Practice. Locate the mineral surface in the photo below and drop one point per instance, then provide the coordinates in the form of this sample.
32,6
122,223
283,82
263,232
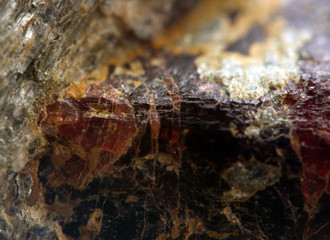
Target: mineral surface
165,120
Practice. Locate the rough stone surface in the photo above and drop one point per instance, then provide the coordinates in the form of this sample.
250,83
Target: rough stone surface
130,120
48,44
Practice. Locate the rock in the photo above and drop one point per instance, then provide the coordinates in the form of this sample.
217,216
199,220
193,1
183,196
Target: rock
214,127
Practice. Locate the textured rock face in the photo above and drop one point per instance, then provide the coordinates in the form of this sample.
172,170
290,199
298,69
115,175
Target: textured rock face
123,127
47,44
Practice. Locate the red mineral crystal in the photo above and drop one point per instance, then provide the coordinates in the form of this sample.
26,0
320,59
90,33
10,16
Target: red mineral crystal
310,135
99,122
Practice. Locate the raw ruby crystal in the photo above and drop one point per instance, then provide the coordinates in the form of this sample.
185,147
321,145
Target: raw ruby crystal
88,128
310,134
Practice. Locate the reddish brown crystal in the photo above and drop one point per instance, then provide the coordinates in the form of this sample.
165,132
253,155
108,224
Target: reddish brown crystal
99,122
310,135
167,144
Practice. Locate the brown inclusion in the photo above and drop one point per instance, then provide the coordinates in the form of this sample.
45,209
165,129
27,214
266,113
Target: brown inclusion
83,131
